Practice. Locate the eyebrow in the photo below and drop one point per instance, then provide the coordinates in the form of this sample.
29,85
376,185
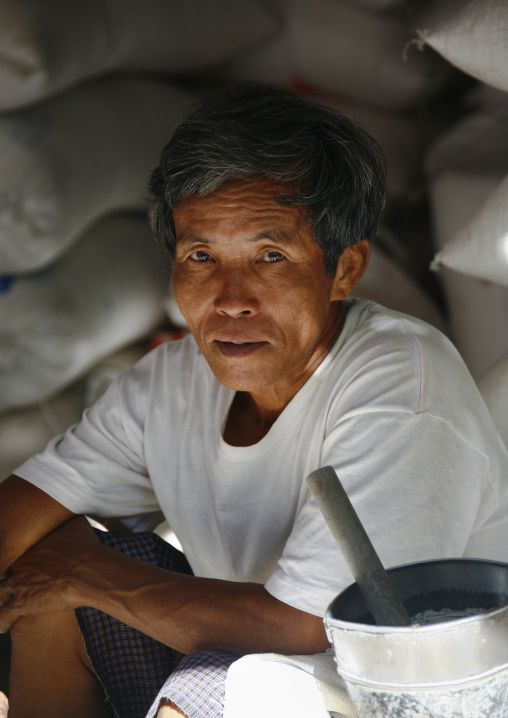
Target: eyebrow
275,235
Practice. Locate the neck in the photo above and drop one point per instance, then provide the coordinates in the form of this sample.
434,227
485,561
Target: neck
252,414
272,401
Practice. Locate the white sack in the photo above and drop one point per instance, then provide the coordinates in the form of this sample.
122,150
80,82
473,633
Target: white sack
24,432
69,161
481,248
477,143
55,325
478,310
475,39
401,137
493,387
345,49
46,45
389,284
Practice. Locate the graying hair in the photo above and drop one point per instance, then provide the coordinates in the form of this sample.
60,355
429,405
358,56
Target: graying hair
333,166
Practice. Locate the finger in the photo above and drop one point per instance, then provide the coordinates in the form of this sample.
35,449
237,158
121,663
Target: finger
6,593
7,618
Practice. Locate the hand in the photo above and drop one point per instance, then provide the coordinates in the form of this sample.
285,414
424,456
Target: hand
4,705
41,581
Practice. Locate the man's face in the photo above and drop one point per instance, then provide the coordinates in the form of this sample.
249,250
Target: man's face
250,280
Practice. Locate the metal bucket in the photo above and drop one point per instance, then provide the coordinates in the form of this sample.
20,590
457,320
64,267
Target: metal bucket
454,669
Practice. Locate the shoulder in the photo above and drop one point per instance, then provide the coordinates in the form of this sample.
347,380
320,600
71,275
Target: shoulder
397,361
371,324
179,352
171,362
158,377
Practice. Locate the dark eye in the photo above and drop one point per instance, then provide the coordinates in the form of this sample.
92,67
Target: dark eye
272,256
200,256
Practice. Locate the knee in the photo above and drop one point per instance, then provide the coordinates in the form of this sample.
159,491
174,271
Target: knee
26,626
58,630
47,623
198,674
167,709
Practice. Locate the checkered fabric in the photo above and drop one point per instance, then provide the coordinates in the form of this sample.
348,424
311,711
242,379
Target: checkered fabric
197,685
131,666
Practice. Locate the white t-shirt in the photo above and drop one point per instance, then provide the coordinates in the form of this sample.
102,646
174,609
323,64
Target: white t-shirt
392,408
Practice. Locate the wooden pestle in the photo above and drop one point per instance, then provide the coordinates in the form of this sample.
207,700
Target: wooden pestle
369,573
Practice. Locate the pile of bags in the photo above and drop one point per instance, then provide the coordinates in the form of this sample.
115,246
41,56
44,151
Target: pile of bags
89,92
468,176
47,46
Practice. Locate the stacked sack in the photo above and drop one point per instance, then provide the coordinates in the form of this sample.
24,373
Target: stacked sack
468,169
354,55
89,93
351,55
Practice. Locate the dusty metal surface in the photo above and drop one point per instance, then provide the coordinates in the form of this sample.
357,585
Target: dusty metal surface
455,669
482,698
451,669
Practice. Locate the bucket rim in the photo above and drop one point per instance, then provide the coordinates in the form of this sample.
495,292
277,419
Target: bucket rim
438,627
357,627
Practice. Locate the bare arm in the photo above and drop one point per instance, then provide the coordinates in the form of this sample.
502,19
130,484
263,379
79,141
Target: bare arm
26,515
71,568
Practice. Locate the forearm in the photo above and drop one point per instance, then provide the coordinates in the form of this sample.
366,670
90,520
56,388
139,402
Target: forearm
70,567
190,613
26,515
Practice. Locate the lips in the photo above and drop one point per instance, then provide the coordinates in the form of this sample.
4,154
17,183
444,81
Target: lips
238,349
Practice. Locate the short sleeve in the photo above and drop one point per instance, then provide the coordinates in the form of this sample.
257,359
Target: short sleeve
98,465
416,486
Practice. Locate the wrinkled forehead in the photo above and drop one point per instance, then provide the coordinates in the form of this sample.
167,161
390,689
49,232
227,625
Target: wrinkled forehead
254,201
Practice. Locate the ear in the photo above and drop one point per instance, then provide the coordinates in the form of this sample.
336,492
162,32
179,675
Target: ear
352,264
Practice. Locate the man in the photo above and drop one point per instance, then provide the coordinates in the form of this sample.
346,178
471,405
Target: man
267,203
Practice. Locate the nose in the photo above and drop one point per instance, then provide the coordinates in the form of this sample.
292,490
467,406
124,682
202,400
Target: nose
235,294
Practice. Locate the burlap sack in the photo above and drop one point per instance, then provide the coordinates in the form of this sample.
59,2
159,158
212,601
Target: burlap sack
346,49
474,38
402,138
389,284
102,295
24,432
47,45
481,248
478,143
478,310
71,160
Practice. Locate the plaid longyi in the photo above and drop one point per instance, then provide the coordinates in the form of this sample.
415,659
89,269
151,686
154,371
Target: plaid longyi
132,667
